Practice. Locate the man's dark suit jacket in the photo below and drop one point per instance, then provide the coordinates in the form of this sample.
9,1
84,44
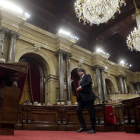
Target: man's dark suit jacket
86,93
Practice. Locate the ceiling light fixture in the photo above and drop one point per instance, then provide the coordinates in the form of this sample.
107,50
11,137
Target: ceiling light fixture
7,5
68,34
101,51
133,40
97,11
122,62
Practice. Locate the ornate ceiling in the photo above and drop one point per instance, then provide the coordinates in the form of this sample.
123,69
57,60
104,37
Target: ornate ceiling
52,15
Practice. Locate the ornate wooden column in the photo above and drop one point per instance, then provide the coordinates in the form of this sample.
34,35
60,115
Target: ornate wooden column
125,85
12,47
3,31
119,77
103,84
99,83
60,55
69,94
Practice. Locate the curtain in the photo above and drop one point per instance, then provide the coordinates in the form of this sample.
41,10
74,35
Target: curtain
22,77
34,75
75,81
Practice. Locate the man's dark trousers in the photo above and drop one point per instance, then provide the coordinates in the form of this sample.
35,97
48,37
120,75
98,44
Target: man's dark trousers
90,107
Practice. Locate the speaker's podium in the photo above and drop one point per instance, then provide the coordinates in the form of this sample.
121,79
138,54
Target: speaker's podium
11,74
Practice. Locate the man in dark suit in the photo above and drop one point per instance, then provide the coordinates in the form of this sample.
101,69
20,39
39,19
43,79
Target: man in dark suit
86,99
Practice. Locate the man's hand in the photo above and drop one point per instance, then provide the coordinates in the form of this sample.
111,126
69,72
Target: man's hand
79,88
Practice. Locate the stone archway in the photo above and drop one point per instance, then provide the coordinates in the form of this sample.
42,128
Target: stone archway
50,93
48,62
36,61
109,86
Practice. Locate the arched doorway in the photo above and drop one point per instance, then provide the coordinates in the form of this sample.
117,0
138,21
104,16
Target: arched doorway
34,88
109,86
75,78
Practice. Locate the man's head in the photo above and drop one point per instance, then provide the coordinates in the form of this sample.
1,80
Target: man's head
62,103
100,102
24,103
35,103
58,103
28,102
69,103
81,72
49,103
119,100
104,102
109,101
97,102
76,103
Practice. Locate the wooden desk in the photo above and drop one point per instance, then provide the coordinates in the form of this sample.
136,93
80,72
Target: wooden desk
58,118
132,115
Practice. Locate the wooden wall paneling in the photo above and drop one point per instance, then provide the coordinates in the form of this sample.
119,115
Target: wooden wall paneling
44,118
61,119
100,112
130,127
137,111
9,110
19,125
119,117
130,108
72,122
26,113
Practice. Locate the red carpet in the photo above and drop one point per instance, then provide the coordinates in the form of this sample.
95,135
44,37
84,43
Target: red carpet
69,135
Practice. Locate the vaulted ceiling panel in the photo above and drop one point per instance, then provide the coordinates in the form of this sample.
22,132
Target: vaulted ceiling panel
51,15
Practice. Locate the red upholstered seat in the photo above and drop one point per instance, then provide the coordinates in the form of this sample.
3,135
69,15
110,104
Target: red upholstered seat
110,117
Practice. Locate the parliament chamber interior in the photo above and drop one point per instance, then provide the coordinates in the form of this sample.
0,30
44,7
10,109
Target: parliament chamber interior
43,43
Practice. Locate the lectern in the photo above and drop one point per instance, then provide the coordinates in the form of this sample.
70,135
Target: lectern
10,75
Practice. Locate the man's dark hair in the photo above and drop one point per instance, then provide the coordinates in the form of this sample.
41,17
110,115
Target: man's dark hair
81,69
27,101
104,102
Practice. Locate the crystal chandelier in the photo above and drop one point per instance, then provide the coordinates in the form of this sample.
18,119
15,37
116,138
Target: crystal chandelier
97,11
133,40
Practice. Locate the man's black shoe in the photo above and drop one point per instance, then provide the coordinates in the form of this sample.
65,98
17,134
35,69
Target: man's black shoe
91,131
81,130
